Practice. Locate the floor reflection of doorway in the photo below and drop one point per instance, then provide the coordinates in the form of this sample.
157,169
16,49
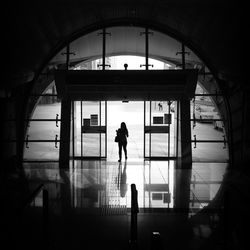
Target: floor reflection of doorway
132,113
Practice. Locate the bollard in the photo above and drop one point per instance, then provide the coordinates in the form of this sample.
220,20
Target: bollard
134,212
156,243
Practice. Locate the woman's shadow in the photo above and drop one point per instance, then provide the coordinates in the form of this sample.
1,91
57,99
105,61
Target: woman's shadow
122,179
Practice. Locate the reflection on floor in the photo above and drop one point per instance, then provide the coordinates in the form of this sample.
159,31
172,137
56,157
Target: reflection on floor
90,204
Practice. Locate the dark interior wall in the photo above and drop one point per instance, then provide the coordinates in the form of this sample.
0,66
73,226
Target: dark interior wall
34,32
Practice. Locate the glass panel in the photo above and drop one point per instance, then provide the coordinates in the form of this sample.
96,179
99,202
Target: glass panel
77,128
147,149
129,41
87,114
161,44
103,113
103,149
159,145
205,183
210,152
91,144
43,130
147,113
207,131
48,107
204,108
91,113
173,128
45,110
211,84
90,46
209,171
42,151
162,115
159,109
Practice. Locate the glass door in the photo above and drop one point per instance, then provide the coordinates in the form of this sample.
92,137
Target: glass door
88,129
160,135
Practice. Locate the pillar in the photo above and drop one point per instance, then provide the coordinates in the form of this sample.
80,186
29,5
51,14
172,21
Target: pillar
184,164
65,134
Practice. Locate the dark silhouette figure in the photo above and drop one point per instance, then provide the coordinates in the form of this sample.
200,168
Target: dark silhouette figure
160,106
122,134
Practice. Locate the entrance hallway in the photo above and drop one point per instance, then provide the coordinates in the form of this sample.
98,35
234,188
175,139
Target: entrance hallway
151,130
132,113
90,204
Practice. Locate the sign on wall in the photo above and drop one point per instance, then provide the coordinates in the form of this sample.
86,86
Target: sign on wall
158,120
94,120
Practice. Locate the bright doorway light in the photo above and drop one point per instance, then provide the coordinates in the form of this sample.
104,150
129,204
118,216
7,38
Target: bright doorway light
132,114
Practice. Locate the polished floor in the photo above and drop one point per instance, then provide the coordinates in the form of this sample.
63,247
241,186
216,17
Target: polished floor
90,204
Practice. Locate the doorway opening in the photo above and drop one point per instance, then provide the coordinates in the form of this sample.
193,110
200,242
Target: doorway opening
152,127
132,113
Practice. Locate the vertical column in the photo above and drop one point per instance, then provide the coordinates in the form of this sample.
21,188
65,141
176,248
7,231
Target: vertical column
106,139
104,33
103,49
65,133
144,135
146,48
65,122
186,147
81,115
183,54
67,56
184,164
170,123
100,124
146,33
73,128
150,125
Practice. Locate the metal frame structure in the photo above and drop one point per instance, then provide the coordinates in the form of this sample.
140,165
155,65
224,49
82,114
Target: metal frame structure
100,129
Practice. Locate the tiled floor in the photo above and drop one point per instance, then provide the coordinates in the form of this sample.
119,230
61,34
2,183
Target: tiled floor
90,204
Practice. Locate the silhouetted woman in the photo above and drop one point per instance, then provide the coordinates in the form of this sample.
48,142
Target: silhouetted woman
122,134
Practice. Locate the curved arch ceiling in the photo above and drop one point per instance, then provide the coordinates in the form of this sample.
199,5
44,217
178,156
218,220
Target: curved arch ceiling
36,31
126,41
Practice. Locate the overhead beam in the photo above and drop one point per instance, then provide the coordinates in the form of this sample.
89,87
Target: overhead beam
126,85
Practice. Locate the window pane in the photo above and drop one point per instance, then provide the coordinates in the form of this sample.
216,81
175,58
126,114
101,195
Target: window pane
205,131
47,111
211,152
159,145
43,130
91,144
203,108
42,151
205,183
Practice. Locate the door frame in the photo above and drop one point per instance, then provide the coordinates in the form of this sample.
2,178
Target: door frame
99,129
108,85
